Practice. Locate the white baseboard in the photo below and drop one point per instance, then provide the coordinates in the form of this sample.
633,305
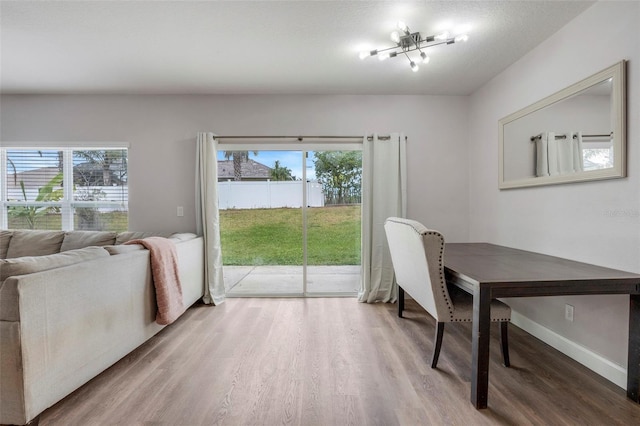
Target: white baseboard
607,369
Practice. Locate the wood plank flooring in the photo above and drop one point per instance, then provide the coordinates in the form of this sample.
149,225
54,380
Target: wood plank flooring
334,361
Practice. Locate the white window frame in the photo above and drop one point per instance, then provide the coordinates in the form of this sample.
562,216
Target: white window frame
67,204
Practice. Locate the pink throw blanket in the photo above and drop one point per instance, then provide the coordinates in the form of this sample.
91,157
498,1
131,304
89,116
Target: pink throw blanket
166,280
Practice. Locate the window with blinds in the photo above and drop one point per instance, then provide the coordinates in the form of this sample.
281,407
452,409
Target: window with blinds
64,188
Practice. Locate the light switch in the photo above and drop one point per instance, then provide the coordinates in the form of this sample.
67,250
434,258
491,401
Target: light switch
180,211
568,312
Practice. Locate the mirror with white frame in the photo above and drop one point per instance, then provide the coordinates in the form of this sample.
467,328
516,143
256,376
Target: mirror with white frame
577,134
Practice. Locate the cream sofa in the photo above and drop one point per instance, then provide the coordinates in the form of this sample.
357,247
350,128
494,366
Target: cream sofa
71,305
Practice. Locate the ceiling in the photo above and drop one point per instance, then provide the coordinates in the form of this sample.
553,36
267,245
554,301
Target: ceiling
261,47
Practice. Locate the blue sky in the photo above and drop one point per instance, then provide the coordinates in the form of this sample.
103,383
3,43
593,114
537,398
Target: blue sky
30,159
290,159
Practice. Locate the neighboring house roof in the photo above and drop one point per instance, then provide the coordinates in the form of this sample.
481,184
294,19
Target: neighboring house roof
93,174
35,178
251,170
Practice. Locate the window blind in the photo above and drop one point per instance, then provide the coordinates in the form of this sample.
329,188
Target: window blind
64,188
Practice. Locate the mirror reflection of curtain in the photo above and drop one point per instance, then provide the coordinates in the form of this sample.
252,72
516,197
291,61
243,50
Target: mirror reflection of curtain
542,154
558,154
578,160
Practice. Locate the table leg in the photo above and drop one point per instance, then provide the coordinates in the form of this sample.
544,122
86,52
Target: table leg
633,363
480,347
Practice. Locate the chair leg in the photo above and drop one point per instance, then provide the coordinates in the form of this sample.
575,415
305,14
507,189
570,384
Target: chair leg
400,301
437,344
505,342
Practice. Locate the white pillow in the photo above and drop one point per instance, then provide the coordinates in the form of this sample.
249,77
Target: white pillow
123,237
182,236
80,239
31,264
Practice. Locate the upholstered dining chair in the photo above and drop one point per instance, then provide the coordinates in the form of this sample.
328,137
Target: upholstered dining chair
417,254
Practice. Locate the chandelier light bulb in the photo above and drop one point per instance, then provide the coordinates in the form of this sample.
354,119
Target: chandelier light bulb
462,37
414,66
395,37
425,58
442,36
403,26
384,55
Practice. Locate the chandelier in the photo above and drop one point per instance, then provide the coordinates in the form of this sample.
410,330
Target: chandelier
406,41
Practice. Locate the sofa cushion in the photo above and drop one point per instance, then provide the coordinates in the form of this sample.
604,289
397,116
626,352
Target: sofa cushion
32,264
80,239
34,243
182,236
121,249
5,237
123,237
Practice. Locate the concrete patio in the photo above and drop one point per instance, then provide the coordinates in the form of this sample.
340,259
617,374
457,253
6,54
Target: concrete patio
287,280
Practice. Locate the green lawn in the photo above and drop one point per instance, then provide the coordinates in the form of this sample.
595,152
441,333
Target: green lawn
274,236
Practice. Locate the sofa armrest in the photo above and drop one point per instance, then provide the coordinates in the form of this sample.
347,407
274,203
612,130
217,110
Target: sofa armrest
191,264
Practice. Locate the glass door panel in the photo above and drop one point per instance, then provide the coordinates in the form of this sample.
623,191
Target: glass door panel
261,226
333,222
290,222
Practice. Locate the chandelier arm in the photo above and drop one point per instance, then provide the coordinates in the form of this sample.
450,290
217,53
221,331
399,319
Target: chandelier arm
388,48
399,49
449,41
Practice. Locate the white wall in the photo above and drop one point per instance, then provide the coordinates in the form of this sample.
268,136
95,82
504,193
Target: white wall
596,222
161,131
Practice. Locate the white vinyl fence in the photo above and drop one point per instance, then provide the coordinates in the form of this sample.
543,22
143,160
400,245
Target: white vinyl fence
267,194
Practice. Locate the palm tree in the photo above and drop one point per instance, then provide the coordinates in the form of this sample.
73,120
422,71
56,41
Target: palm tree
281,172
238,158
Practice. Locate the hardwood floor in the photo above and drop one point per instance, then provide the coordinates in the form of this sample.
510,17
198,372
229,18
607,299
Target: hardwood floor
333,361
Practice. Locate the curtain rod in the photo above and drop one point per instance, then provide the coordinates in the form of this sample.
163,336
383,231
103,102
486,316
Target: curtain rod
610,135
301,138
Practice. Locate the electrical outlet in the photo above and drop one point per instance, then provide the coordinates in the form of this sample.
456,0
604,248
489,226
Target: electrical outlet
568,312
180,211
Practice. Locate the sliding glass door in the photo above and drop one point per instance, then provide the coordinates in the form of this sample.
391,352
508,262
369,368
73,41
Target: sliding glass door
290,221
333,226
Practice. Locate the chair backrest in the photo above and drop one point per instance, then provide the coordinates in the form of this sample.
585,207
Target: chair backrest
417,256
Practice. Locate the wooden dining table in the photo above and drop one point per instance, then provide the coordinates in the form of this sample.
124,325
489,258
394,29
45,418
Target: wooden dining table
489,271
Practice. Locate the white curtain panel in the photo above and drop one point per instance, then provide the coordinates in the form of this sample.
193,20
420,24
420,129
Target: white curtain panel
208,217
384,194
552,154
578,164
565,153
558,154
542,164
